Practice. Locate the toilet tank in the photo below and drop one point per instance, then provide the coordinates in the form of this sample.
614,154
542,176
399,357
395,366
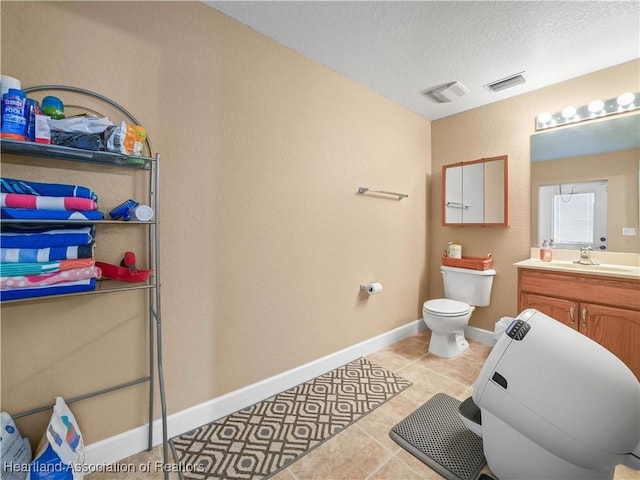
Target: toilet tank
468,286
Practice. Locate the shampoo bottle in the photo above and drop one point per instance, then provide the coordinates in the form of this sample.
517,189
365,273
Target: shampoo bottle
545,252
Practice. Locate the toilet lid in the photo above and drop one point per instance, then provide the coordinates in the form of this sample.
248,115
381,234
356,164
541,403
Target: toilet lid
446,308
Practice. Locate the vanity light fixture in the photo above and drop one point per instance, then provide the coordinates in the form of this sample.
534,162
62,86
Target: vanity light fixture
625,102
596,106
569,113
625,99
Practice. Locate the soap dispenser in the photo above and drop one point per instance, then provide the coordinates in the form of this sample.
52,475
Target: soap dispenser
545,252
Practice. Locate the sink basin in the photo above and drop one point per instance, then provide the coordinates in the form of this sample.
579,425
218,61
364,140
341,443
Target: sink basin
598,268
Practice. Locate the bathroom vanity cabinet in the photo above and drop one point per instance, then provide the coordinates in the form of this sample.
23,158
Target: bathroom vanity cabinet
605,309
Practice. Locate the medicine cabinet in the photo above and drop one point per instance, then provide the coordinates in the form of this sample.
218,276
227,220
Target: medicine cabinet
476,193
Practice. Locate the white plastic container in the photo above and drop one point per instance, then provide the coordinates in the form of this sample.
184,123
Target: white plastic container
9,82
455,250
142,213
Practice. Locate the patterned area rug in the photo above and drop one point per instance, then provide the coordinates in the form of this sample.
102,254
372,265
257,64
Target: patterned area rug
261,440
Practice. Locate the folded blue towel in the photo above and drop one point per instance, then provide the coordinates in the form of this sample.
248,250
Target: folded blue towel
57,289
36,214
39,237
12,185
34,255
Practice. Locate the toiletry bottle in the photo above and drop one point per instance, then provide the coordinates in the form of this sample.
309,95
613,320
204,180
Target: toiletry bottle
454,250
545,252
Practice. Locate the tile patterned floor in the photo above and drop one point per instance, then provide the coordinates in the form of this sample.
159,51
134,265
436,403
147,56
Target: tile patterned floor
364,450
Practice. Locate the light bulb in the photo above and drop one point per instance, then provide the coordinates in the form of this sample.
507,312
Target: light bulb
569,112
596,106
625,99
544,117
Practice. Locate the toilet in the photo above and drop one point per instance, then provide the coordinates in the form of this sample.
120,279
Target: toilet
464,289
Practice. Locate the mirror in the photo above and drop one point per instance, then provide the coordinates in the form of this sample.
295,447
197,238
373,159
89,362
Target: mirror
476,193
570,157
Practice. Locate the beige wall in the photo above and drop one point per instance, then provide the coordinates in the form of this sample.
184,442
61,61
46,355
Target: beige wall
503,128
620,169
264,240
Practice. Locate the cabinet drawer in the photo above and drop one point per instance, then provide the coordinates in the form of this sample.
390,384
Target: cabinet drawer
599,289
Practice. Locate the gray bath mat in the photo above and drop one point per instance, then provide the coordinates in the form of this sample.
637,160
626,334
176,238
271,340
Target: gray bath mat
435,435
257,442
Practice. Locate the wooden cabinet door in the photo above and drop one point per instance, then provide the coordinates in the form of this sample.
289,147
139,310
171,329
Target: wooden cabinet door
616,329
565,311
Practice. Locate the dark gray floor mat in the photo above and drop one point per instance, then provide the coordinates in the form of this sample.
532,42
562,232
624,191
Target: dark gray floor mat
435,434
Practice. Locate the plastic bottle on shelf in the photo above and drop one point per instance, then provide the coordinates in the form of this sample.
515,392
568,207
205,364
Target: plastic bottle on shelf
545,252
14,115
33,109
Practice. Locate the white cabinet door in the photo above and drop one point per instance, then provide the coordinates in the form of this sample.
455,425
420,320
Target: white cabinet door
453,205
473,193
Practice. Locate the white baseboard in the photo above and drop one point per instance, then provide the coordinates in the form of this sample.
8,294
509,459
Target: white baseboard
134,441
479,335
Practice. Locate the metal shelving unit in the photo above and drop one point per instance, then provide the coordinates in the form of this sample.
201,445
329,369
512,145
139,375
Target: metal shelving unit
151,166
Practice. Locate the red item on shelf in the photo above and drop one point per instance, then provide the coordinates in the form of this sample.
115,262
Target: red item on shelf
128,272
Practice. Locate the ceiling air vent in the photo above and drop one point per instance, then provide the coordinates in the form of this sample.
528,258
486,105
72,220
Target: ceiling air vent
505,83
445,93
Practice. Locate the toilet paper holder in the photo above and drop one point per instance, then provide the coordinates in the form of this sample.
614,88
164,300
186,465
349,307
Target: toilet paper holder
372,288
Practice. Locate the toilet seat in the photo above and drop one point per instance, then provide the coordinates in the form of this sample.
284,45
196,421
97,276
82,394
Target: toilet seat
444,307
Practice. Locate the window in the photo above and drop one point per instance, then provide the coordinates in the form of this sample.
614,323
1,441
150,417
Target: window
574,214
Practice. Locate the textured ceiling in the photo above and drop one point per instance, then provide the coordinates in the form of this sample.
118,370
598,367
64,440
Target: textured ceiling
399,49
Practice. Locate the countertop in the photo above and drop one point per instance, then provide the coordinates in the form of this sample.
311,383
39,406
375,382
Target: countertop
618,267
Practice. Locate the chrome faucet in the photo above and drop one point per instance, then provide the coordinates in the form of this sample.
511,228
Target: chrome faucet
585,256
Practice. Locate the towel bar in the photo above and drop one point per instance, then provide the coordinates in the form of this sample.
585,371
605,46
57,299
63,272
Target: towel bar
363,190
